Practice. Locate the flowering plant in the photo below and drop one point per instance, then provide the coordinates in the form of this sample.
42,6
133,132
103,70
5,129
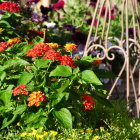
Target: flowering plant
41,83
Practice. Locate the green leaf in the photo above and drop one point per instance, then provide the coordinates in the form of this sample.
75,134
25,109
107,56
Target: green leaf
38,39
31,117
61,70
6,95
76,70
104,73
58,97
64,85
14,63
2,75
25,78
88,59
64,117
5,122
90,77
26,48
20,109
102,100
41,63
4,23
41,122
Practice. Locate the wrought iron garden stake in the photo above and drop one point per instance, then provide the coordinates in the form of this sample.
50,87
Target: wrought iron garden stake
123,43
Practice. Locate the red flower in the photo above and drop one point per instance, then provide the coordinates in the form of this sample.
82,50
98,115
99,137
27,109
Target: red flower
4,46
67,60
39,50
21,89
88,102
10,7
58,5
98,62
33,33
53,55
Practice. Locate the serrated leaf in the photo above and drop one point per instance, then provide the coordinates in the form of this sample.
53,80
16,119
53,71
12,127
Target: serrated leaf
25,78
20,109
64,117
64,85
14,63
76,70
41,63
2,75
58,97
32,117
61,70
5,122
90,77
6,95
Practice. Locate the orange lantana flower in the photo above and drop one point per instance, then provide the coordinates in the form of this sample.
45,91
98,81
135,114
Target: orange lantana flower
14,40
35,98
53,45
70,47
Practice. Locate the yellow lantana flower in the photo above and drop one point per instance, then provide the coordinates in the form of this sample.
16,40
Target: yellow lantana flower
95,138
107,134
53,45
70,47
23,134
102,128
1,30
29,134
14,40
39,136
54,133
18,124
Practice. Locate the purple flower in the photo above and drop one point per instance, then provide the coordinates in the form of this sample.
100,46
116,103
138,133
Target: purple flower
90,20
112,12
68,27
131,32
36,17
78,37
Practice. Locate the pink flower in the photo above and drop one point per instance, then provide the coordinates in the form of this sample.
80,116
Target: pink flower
59,5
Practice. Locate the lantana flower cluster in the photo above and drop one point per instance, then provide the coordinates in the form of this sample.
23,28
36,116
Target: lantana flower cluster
45,49
38,50
70,47
14,40
88,102
19,90
10,7
35,98
4,46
